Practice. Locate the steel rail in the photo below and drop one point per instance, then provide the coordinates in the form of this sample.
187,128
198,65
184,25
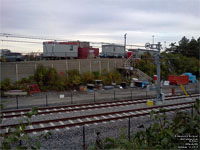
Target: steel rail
98,115
92,106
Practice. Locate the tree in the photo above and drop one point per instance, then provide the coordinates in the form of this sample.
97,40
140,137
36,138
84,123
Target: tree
193,48
186,47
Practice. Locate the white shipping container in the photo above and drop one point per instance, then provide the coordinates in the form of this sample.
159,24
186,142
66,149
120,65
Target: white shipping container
113,50
56,49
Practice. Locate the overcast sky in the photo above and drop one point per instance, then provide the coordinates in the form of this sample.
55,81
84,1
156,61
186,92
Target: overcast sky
99,20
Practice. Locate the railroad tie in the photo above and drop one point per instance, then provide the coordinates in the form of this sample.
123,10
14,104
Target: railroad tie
104,117
62,123
88,119
119,115
96,118
52,124
80,120
71,121
41,125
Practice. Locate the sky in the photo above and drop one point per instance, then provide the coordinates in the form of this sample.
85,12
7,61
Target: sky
97,21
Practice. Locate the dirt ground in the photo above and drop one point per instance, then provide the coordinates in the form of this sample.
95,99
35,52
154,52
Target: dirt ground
53,98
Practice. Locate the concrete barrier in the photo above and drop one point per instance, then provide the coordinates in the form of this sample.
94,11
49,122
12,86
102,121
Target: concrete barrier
18,70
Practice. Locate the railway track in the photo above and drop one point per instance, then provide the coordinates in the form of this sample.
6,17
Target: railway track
77,121
81,107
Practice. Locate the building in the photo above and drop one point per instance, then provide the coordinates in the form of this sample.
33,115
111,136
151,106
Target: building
138,52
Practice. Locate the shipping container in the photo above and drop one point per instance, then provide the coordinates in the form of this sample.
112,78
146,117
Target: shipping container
60,50
84,53
116,51
178,80
80,44
192,78
129,54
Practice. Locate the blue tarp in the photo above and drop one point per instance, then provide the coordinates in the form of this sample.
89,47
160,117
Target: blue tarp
192,78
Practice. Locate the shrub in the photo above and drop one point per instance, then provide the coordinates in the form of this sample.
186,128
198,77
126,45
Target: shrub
117,77
109,77
97,75
40,75
51,77
73,79
87,77
163,133
6,85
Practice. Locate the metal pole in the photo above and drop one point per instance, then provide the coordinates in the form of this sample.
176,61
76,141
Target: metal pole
158,74
131,94
164,117
71,98
114,95
20,142
192,111
146,93
196,89
46,100
125,44
84,138
17,100
129,128
94,96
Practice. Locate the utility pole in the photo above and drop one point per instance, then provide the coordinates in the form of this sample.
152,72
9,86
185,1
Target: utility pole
125,44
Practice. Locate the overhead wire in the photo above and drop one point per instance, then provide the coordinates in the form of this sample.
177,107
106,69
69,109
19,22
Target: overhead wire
57,39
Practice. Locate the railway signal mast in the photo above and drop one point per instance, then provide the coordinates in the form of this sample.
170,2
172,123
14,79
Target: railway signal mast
160,95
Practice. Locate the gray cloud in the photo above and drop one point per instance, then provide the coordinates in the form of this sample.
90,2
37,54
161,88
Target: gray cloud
105,20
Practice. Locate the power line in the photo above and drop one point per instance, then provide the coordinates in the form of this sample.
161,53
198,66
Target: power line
53,39
21,41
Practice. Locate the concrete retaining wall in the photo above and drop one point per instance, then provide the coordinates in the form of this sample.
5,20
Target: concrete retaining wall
17,70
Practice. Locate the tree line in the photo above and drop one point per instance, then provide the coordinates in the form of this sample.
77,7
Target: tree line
186,47
175,60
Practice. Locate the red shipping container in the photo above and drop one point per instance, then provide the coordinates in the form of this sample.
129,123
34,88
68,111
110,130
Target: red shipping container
84,53
178,80
129,54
